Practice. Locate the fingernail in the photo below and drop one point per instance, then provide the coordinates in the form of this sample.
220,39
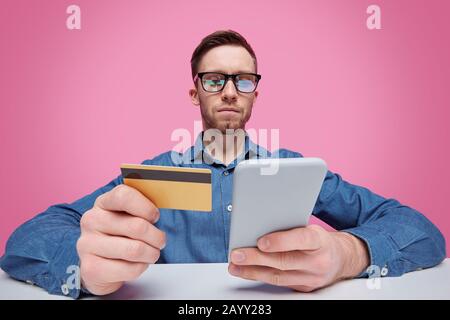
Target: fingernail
264,244
235,270
238,256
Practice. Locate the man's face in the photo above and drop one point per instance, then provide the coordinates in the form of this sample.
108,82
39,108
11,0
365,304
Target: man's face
229,108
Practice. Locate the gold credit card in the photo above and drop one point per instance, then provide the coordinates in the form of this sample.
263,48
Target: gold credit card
171,187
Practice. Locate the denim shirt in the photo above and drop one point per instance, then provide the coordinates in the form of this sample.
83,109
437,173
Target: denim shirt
399,239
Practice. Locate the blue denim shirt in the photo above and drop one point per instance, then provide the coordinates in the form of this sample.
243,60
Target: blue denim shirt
399,238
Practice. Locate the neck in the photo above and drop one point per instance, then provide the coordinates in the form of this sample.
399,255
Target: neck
225,147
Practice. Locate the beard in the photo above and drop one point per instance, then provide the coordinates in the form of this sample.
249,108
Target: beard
213,120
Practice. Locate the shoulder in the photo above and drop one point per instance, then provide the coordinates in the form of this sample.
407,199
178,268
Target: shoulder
168,158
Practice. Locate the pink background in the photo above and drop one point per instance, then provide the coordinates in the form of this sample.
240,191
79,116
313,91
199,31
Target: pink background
76,104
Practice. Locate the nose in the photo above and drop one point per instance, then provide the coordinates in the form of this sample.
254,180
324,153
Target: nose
229,92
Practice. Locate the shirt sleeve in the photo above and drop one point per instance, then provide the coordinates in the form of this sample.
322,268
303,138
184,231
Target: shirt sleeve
399,238
42,251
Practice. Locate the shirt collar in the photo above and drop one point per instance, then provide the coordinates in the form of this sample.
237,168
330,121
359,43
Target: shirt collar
251,151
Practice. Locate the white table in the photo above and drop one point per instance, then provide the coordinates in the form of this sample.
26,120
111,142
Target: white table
212,281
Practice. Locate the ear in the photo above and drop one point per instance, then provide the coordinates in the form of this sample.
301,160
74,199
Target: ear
256,93
193,94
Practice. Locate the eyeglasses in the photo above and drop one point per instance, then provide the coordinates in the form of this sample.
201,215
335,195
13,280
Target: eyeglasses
215,81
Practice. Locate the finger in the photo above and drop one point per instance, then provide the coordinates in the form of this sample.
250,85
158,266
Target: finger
307,238
112,247
128,199
122,224
273,276
303,288
288,260
104,270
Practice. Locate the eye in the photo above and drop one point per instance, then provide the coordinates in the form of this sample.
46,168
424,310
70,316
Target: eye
213,82
245,83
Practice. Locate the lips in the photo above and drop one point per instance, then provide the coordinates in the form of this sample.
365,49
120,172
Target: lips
228,109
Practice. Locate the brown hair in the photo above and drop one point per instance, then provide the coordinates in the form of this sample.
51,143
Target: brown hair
216,39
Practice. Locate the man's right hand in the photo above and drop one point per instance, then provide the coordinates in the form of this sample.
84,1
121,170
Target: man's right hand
118,239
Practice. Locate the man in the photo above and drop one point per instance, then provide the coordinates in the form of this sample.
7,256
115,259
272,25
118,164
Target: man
115,233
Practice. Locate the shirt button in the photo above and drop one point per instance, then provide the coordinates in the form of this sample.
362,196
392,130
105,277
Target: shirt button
384,271
229,208
30,282
225,173
65,289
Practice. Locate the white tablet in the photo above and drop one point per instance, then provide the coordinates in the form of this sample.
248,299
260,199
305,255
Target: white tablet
272,195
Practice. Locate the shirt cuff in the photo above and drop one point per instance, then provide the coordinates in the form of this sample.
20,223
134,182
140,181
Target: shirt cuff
65,267
382,251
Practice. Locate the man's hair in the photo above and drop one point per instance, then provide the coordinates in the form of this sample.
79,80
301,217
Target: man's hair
216,39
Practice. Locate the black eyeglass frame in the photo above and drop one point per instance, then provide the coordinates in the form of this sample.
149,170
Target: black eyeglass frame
227,77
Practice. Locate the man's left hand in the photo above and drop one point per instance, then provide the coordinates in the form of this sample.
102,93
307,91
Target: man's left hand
303,259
